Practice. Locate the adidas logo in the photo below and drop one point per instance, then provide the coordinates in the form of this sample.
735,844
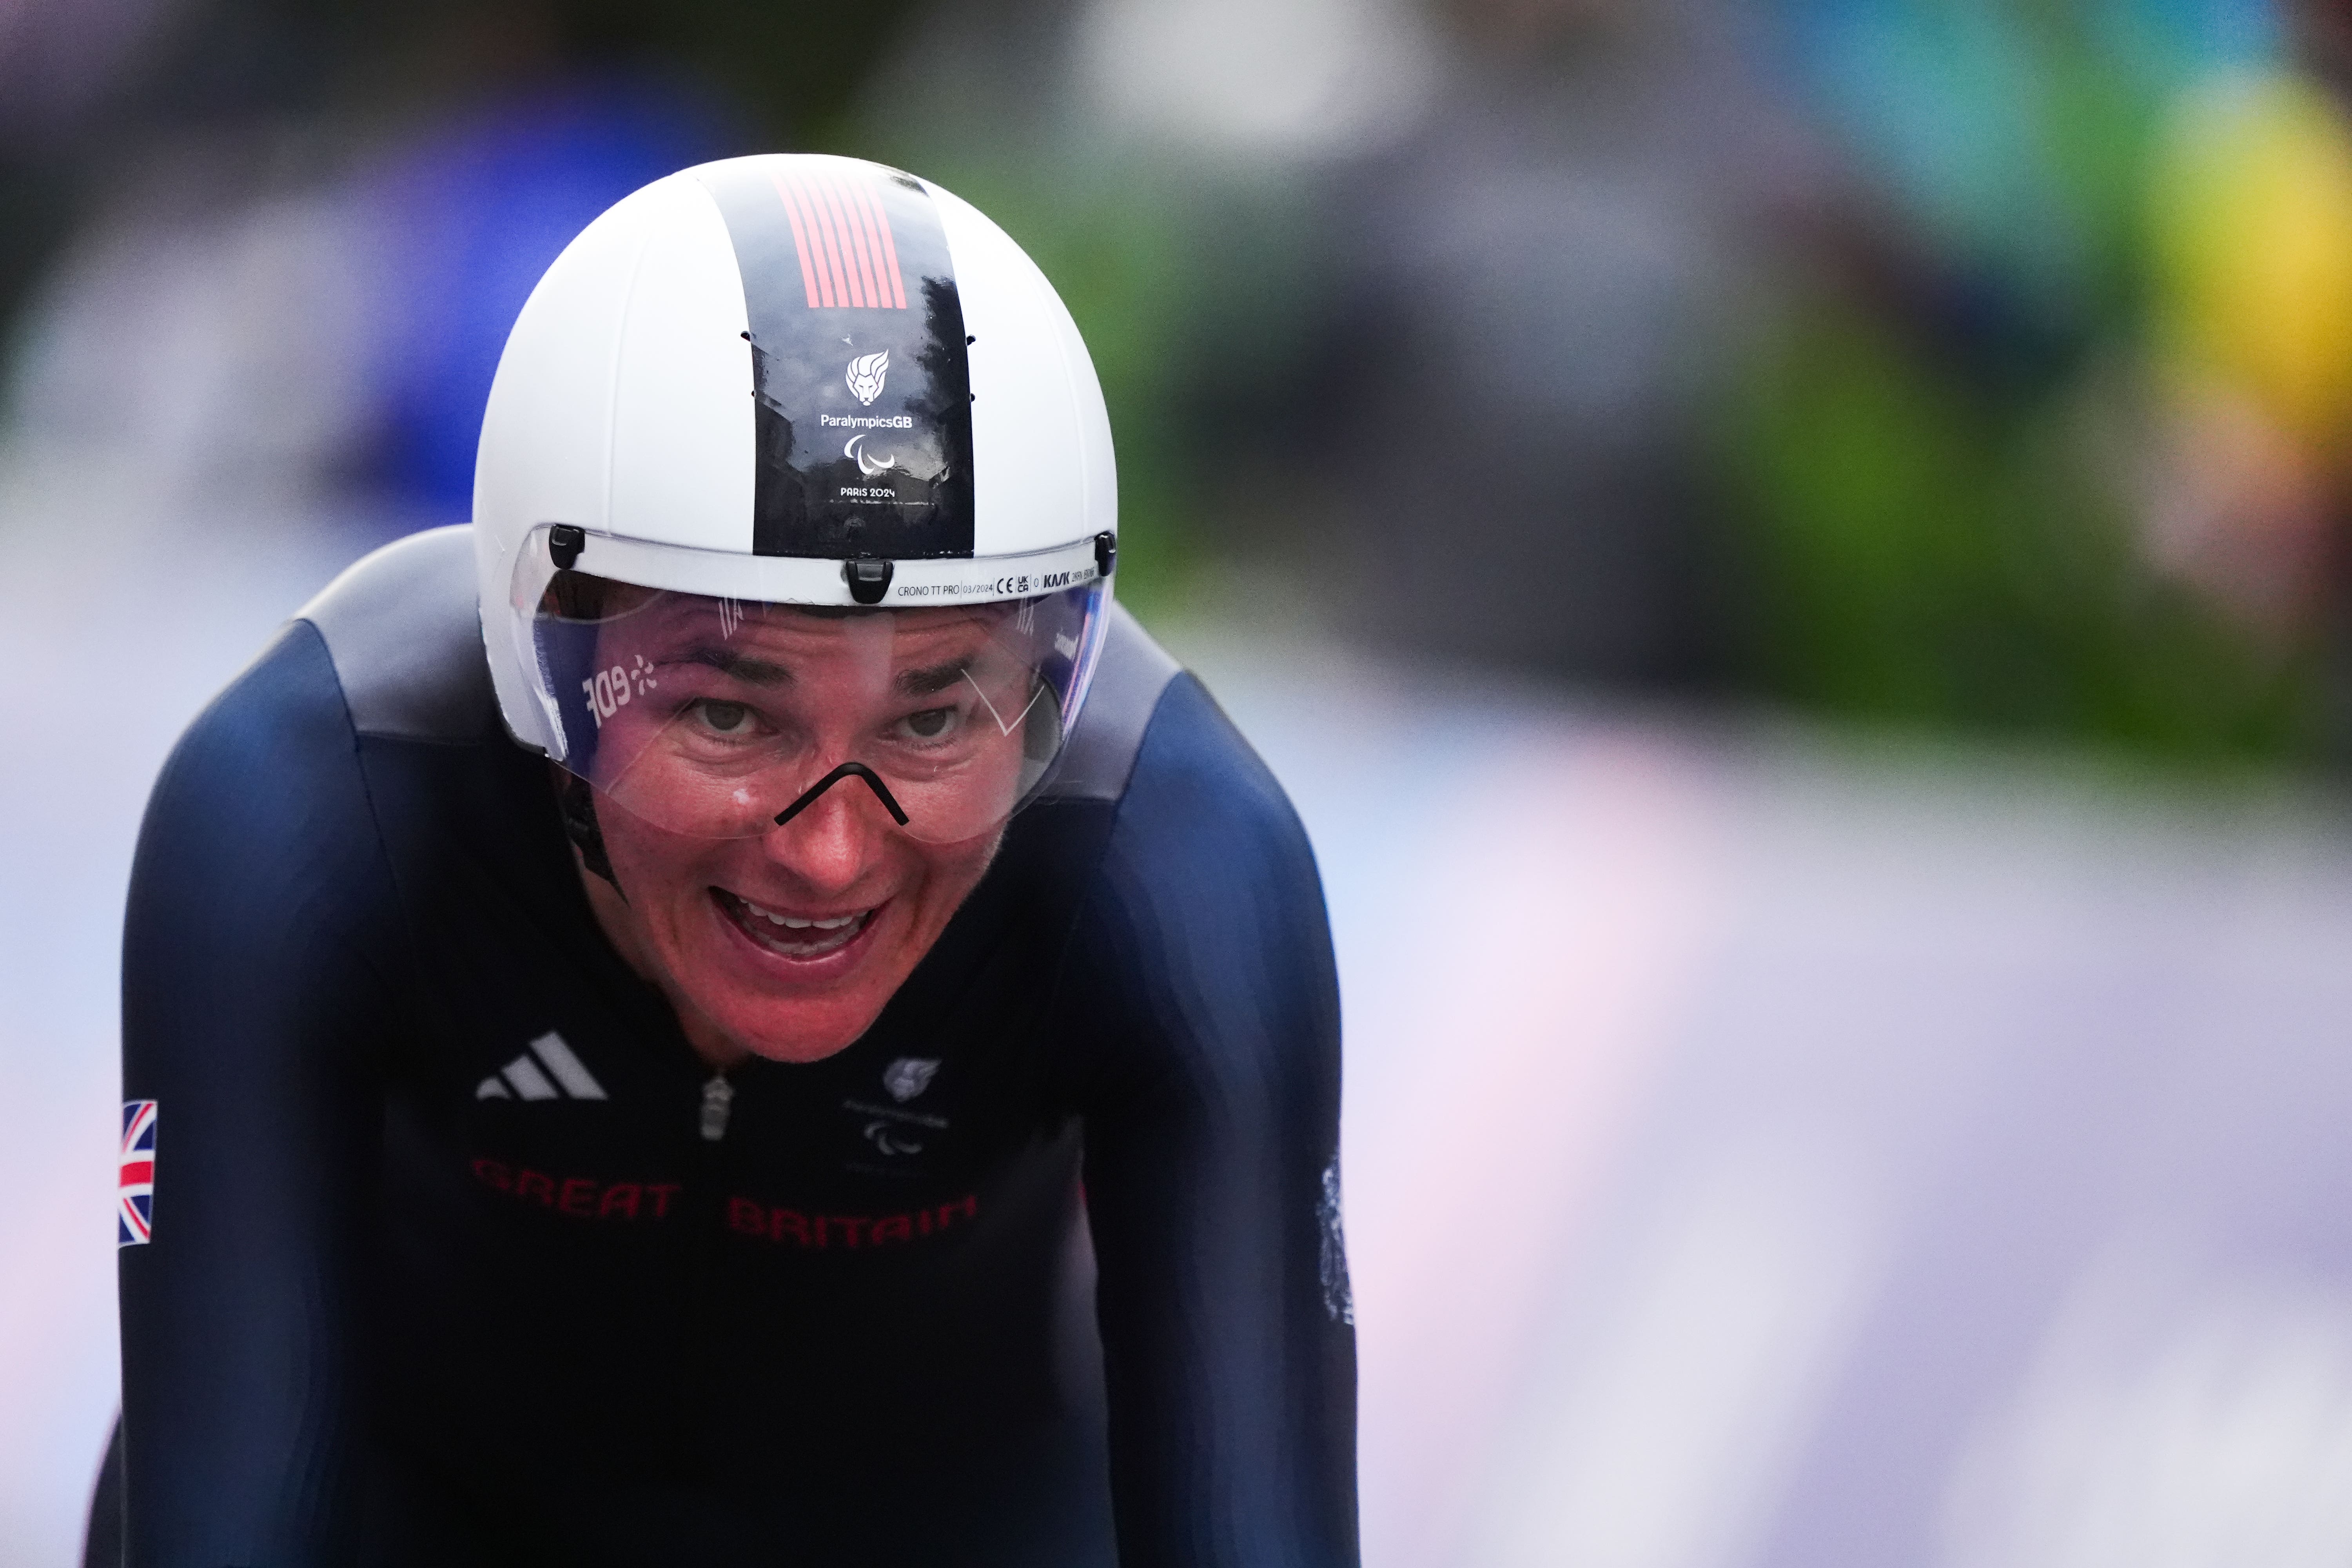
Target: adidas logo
547,1070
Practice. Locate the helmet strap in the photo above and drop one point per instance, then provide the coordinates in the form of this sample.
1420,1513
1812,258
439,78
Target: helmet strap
576,802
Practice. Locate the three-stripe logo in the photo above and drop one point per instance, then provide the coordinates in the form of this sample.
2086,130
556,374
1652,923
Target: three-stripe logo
546,1070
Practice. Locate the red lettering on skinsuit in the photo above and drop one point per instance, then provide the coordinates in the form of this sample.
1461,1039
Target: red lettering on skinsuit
850,1232
581,1197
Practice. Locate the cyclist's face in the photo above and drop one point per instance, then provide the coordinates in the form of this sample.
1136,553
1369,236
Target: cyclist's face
789,940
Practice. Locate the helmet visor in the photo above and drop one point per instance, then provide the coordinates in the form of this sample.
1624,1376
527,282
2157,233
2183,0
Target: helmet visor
724,718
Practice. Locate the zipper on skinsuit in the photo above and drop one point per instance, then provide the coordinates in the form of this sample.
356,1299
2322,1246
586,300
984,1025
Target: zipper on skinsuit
707,1375
718,1103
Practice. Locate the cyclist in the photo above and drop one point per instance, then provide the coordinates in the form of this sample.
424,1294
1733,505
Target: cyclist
737,1009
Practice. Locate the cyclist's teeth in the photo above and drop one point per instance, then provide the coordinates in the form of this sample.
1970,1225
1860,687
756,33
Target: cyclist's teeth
790,924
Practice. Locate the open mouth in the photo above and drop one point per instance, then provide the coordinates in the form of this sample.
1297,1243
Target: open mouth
793,936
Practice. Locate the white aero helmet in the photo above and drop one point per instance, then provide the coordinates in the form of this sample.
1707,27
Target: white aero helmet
795,468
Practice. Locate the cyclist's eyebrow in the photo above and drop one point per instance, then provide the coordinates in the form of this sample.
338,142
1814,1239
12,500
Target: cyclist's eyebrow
753,671
932,679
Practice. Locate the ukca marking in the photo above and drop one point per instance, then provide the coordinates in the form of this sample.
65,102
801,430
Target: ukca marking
581,1197
851,1233
609,690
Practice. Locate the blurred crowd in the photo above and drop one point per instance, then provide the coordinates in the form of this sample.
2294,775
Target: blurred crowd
1953,362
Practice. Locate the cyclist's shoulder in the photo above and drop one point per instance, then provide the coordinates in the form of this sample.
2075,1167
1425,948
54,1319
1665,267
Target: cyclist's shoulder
1184,783
1148,725
389,649
1130,677
402,628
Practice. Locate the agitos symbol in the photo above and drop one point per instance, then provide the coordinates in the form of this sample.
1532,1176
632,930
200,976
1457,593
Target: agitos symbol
849,258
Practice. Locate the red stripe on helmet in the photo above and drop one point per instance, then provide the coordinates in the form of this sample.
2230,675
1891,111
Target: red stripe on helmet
796,202
890,246
836,287
853,241
861,275
888,291
838,243
800,242
854,197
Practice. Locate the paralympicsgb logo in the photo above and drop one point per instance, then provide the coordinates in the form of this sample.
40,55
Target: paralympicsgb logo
865,375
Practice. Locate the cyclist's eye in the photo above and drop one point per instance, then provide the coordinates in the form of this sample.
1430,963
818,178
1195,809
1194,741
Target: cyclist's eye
930,723
726,718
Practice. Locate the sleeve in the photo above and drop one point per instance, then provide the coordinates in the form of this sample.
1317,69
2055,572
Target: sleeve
1211,1137
252,987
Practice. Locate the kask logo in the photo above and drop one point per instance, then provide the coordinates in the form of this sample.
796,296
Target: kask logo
865,375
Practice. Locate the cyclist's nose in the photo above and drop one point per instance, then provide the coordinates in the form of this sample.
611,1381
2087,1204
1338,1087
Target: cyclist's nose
832,842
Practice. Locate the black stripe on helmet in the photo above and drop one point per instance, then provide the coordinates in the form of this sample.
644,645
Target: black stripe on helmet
858,360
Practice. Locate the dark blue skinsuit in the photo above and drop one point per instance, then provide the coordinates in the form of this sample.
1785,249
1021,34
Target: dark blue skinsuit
427,1285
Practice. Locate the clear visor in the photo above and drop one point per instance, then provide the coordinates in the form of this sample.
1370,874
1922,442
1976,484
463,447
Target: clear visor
726,718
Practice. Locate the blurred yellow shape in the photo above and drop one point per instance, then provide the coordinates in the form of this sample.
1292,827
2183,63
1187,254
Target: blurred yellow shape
2252,214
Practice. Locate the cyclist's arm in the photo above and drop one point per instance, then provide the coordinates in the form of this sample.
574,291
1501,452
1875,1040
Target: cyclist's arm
1212,1120
254,950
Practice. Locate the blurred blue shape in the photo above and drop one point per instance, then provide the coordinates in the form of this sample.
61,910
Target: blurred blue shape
469,219
1956,106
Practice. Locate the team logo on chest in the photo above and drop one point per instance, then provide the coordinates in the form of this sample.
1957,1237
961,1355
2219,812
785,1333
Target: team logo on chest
908,1077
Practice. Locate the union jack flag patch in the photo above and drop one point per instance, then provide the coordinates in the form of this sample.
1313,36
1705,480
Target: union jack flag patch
134,1188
